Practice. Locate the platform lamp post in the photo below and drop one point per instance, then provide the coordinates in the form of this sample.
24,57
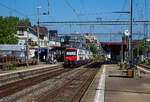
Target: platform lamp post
127,34
38,32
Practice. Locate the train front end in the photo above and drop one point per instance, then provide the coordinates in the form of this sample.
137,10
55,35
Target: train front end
71,58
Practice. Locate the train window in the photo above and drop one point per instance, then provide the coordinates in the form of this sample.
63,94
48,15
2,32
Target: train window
71,52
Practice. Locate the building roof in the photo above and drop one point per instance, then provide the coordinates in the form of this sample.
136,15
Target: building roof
23,24
116,43
43,30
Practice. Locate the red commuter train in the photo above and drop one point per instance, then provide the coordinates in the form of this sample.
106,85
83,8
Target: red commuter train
76,57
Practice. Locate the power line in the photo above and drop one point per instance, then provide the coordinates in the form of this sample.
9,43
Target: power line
146,9
13,10
122,9
16,11
66,1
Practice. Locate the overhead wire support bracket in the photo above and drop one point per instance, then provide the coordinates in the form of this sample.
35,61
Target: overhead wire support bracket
95,23
123,12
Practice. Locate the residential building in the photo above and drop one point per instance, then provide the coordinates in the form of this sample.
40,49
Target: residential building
90,38
25,31
30,32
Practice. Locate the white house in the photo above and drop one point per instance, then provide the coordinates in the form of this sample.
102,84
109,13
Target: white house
25,31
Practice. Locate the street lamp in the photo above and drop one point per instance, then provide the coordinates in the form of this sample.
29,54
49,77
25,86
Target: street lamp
127,34
38,32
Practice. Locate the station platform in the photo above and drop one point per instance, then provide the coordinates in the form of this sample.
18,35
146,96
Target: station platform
122,89
30,67
108,86
25,72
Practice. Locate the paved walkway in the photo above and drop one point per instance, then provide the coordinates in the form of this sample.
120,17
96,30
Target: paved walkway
109,86
119,89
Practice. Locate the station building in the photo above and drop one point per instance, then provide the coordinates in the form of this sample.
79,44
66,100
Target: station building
113,50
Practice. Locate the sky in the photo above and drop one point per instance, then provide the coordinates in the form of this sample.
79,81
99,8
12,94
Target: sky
80,10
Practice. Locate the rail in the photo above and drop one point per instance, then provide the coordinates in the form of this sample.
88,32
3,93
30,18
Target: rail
143,68
74,89
11,88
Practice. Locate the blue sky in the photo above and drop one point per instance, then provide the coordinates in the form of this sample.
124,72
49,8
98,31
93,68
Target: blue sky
70,10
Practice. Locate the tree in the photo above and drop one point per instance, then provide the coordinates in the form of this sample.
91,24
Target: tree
25,21
93,48
139,49
8,31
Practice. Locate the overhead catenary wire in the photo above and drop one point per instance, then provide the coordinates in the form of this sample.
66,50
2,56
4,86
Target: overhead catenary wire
122,9
118,18
82,5
14,10
146,8
74,11
17,11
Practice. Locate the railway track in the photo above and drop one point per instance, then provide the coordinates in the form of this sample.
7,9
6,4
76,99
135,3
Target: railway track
11,88
74,83
73,90
145,66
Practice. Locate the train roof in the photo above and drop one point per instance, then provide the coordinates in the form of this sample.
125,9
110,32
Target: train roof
76,49
71,48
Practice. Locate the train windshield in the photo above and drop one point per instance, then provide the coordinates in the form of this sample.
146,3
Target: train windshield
71,53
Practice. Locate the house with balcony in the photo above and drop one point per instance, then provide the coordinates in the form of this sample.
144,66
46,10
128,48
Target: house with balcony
29,32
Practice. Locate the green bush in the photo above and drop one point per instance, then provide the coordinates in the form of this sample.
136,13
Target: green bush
123,66
99,58
146,63
8,67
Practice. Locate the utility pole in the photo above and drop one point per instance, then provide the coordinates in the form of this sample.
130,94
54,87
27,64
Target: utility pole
27,47
122,52
38,32
48,46
130,37
145,36
48,7
38,23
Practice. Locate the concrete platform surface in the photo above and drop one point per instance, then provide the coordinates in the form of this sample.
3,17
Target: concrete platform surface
90,95
26,72
31,67
121,89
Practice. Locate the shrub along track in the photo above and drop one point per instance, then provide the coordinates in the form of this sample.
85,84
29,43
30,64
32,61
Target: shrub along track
74,89
11,88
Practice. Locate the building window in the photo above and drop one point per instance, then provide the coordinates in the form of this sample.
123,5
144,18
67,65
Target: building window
21,32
